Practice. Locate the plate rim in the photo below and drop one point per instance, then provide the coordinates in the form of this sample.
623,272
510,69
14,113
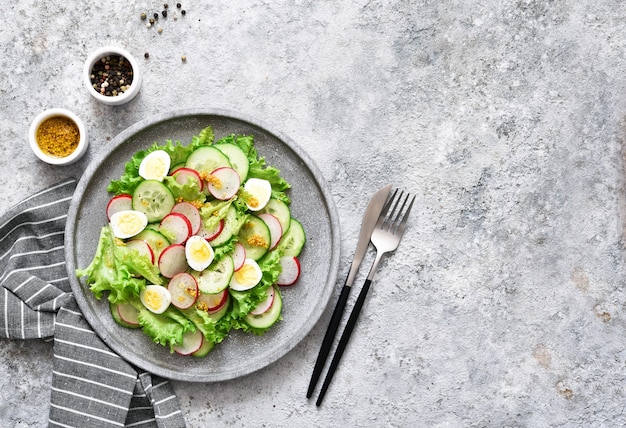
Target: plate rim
179,114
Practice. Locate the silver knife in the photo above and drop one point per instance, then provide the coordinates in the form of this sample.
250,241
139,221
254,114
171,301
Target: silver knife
374,207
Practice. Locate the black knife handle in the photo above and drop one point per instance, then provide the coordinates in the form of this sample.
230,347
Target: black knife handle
327,343
345,336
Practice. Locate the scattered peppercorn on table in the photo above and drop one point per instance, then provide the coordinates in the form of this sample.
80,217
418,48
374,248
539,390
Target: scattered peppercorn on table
504,303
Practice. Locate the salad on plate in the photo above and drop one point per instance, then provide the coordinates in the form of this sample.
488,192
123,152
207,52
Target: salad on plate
199,241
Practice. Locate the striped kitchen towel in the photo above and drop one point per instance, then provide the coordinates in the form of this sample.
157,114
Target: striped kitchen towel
91,385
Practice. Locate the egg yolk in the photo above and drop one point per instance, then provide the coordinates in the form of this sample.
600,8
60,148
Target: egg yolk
152,299
157,166
246,275
200,251
129,223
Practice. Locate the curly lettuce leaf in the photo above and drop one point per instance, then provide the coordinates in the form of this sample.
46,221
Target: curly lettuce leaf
114,268
213,330
189,191
166,329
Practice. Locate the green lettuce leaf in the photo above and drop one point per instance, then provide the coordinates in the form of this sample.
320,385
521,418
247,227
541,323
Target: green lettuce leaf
189,191
114,268
166,329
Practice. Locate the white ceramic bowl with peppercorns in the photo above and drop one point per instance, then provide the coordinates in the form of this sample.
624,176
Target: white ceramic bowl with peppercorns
58,137
111,75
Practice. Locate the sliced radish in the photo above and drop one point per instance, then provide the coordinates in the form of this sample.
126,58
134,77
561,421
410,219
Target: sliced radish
172,260
177,226
276,230
191,212
142,247
191,343
128,313
184,290
223,183
214,302
266,304
183,175
239,256
290,270
123,202
210,235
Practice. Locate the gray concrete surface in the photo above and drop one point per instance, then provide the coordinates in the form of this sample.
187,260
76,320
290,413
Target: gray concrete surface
503,306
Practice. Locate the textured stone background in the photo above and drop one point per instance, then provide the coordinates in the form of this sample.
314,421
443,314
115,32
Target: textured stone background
503,306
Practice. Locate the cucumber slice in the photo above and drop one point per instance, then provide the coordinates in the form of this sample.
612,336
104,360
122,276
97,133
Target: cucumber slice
115,313
207,159
207,346
153,199
236,157
292,242
219,314
281,211
255,237
156,240
217,277
269,317
229,229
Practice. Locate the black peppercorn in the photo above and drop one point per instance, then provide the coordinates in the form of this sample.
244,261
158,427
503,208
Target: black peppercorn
164,13
146,55
183,12
178,5
156,15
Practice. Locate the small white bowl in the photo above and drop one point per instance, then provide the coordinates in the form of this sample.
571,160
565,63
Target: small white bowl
112,100
55,160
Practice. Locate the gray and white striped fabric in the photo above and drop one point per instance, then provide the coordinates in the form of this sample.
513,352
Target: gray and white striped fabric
91,385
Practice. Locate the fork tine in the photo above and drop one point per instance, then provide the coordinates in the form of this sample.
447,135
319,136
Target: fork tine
383,212
402,225
389,221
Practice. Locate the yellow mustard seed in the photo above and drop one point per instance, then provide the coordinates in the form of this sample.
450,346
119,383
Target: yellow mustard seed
58,136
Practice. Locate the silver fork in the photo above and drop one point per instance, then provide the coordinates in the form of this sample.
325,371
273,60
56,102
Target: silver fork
386,238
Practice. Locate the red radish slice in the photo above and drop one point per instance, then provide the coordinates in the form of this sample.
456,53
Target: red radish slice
210,235
184,290
128,313
276,230
266,304
142,247
191,343
239,256
123,202
191,212
183,175
172,260
223,183
214,302
177,226
291,270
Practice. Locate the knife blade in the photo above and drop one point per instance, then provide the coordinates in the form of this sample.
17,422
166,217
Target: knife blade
374,207
372,212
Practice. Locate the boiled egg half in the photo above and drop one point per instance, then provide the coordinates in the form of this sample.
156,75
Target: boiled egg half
247,276
259,192
156,298
155,165
199,253
128,223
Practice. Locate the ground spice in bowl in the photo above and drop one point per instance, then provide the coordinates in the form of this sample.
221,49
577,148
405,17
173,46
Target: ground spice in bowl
58,136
